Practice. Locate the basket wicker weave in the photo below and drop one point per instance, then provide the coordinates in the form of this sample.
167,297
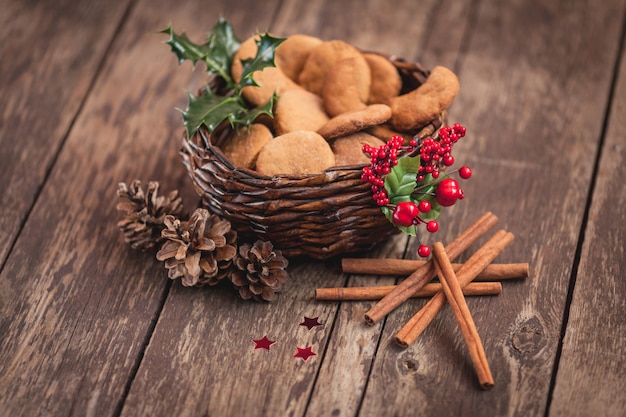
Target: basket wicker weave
320,216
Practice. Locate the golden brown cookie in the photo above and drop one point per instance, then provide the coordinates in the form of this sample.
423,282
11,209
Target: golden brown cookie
348,123
269,80
292,54
299,110
341,91
297,153
243,145
323,57
386,81
349,149
385,132
418,107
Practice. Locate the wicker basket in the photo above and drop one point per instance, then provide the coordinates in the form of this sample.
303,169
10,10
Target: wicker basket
320,216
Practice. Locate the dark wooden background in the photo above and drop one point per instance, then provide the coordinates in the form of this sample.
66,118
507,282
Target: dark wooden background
89,327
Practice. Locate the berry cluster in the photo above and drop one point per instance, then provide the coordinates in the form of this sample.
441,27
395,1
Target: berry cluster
430,191
382,160
436,153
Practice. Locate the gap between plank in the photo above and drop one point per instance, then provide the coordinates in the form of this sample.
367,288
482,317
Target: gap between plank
144,346
585,219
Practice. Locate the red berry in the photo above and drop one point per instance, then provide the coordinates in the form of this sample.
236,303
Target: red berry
423,251
448,192
406,213
432,226
424,206
447,159
465,172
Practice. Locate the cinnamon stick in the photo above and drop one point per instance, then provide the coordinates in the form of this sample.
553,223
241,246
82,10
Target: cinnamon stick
402,267
454,295
378,292
425,273
476,263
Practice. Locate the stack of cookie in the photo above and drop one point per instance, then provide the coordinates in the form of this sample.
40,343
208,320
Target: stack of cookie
332,99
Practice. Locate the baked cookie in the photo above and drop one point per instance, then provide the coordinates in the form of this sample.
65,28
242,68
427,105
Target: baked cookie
341,92
243,145
385,132
299,110
418,107
297,154
324,57
348,123
386,81
349,149
291,54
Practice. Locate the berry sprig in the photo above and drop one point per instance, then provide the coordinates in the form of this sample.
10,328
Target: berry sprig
436,153
409,181
382,160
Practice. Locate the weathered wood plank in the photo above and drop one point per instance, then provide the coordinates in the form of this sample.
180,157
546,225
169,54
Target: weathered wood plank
534,114
77,305
50,52
592,369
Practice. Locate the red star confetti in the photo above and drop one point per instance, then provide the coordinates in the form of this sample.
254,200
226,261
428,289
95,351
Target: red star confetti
310,322
263,343
305,353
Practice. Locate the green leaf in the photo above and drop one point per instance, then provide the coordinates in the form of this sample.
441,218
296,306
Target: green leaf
222,47
400,182
223,44
246,118
266,49
216,53
184,48
209,110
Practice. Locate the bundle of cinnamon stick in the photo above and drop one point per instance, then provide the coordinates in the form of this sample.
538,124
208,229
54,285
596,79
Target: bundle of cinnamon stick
455,284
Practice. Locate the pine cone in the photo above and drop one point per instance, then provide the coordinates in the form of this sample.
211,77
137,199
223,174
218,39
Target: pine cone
200,250
144,213
261,271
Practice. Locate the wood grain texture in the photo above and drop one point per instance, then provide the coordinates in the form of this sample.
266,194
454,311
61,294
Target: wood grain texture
45,74
592,368
77,305
90,327
514,87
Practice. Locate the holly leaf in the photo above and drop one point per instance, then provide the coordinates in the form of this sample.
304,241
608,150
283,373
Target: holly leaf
266,49
184,48
216,52
246,118
209,110
222,47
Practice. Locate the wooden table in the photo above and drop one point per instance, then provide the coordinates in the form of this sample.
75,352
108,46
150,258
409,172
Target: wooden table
89,327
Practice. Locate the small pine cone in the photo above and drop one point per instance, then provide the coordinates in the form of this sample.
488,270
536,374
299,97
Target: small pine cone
200,250
260,271
144,213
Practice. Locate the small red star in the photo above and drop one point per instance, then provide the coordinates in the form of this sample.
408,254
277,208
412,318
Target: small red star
263,343
305,353
310,322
